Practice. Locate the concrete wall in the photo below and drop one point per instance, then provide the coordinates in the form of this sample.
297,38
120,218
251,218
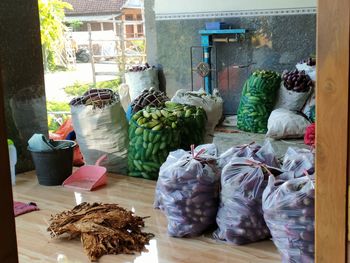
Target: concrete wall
23,76
184,6
279,37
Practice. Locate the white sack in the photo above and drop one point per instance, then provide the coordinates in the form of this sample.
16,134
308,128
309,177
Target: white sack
141,80
212,104
283,123
102,131
291,100
124,96
309,70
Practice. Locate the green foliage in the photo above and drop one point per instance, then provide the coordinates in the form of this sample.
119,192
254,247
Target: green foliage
78,89
138,45
75,24
55,120
57,106
52,27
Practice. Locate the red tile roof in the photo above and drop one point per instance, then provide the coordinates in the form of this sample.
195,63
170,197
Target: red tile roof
94,7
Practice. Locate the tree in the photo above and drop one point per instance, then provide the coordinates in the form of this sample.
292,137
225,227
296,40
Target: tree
52,29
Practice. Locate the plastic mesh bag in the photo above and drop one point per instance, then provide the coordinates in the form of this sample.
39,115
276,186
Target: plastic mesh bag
187,190
289,213
257,101
149,148
151,97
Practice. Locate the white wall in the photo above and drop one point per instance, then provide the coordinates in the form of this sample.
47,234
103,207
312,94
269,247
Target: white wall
185,6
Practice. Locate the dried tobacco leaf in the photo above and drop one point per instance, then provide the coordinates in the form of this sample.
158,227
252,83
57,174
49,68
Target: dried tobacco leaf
103,229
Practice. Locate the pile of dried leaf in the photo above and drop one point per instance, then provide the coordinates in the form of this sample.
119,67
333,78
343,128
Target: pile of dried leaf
103,229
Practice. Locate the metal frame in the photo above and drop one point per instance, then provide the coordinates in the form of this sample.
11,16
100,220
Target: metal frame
208,37
206,79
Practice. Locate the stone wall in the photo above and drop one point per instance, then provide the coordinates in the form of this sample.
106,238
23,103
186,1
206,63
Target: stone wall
275,42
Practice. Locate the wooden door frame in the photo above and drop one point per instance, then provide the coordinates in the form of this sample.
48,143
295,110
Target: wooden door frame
332,130
8,251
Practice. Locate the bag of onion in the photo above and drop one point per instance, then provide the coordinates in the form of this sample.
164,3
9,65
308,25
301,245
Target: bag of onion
240,217
187,190
289,213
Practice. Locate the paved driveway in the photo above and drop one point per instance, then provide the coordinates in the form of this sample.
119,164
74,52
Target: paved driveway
56,82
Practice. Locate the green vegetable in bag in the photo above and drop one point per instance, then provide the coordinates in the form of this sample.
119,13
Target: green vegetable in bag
153,134
193,120
257,101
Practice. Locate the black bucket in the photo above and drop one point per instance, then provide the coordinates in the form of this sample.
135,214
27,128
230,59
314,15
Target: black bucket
53,167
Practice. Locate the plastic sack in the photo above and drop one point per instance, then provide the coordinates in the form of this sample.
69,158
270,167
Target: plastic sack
290,99
299,161
257,101
240,217
102,131
187,191
309,70
128,113
212,104
141,80
283,123
289,213
151,140
123,91
310,106
265,154
62,132
310,135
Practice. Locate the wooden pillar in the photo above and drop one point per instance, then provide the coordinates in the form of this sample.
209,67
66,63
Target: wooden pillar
8,251
23,75
91,51
332,130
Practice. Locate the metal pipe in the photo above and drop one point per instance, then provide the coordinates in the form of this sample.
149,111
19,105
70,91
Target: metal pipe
207,79
225,40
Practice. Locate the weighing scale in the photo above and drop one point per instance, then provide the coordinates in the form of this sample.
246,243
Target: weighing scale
208,37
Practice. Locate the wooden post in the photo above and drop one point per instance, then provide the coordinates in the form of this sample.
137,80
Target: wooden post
8,251
144,58
114,26
122,45
332,130
91,55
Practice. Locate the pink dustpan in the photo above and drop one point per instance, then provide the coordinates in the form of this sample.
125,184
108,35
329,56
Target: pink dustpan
88,177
